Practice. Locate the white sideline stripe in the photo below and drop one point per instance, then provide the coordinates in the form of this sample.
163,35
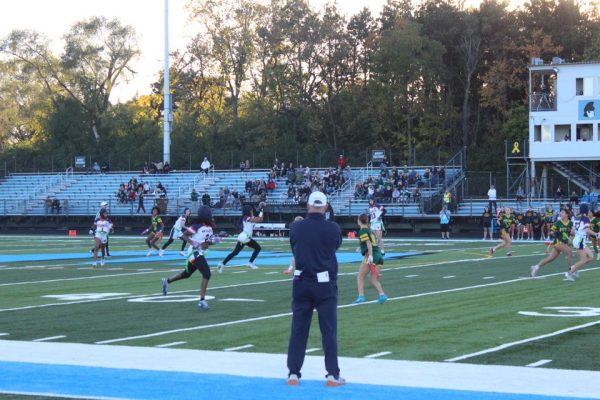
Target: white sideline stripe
523,341
489,277
376,355
312,350
49,338
411,276
412,296
450,276
246,346
4,334
271,273
382,372
145,269
239,272
538,363
80,278
66,396
242,300
170,344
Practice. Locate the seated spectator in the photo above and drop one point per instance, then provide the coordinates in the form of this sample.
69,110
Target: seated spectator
146,169
166,168
341,162
55,206
242,166
271,186
159,186
104,168
396,195
206,200
229,203
416,195
96,167
276,168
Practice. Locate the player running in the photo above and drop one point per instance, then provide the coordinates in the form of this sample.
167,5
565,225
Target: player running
504,221
245,237
595,225
177,232
372,261
154,231
561,230
581,228
376,214
102,227
200,236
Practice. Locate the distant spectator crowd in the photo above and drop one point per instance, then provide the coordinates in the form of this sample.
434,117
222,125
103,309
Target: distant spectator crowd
132,190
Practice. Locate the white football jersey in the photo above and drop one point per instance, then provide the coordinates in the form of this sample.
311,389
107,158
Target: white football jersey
248,227
581,225
375,214
103,227
202,234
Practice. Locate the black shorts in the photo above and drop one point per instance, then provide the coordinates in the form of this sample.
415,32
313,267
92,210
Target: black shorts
487,224
445,227
200,265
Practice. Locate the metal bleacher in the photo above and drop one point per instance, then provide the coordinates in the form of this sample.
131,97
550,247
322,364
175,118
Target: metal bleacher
474,207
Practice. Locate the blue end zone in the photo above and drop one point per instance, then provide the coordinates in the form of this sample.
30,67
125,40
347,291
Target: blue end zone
78,381
265,257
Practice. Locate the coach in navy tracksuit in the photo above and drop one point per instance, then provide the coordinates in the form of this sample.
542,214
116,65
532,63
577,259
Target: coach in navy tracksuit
314,243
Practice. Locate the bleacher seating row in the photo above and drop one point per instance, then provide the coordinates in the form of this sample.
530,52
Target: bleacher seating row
25,194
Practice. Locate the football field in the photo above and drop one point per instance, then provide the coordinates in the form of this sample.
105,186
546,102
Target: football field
449,303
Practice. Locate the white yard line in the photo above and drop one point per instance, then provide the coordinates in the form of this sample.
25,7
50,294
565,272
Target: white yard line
170,344
411,276
488,277
312,350
246,346
45,339
449,276
539,363
523,341
377,355
81,278
412,374
4,334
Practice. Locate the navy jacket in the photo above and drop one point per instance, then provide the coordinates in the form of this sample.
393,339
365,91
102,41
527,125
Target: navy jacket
314,243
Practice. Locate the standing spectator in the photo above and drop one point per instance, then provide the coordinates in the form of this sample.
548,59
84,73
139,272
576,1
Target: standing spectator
96,167
574,199
141,195
205,167
341,162
104,168
445,222
47,204
559,194
242,166
314,242
593,200
492,198
206,200
447,198
194,200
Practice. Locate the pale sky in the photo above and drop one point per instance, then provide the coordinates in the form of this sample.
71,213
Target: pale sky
54,18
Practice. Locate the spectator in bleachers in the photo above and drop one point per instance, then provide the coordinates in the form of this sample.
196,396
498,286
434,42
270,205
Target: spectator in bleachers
96,167
383,166
396,195
442,174
206,200
593,200
574,199
242,166
276,168
47,204
520,194
205,166
104,168
166,168
146,187
447,199
559,194
55,206
341,162
271,185
230,201
121,194
146,168
194,200
247,164
416,195
141,194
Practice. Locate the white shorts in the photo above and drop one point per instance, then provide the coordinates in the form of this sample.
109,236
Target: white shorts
377,226
103,239
175,233
243,238
579,242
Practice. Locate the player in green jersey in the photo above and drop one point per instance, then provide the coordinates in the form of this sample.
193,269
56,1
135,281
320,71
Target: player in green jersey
505,219
561,231
595,225
372,261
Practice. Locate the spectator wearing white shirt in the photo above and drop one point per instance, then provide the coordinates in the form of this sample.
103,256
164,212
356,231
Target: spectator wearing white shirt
205,166
492,198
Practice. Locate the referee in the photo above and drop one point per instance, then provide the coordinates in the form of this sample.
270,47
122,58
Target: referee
314,242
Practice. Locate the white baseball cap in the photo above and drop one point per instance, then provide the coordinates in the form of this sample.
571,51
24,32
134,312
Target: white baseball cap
103,204
317,199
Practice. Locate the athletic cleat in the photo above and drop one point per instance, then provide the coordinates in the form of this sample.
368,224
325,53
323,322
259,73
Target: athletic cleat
491,251
93,265
332,381
102,262
181,253
221,268
252,266
509,254
161,252
165,286
576,274
203,305
382,298
359,299
534,270
149,253
598,256
569,276
293,380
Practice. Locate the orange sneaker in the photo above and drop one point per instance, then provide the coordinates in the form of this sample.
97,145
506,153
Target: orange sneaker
293,380
332,381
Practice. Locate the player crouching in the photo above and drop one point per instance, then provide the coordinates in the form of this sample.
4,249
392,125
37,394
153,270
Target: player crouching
200,236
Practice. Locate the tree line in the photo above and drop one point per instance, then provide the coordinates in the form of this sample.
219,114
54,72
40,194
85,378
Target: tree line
420,81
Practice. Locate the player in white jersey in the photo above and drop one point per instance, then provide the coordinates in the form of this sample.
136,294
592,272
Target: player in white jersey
103,206
200,236
581,229
245,237
102,228
376,214
177,232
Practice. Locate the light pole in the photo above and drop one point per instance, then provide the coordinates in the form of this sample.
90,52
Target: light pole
167,112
